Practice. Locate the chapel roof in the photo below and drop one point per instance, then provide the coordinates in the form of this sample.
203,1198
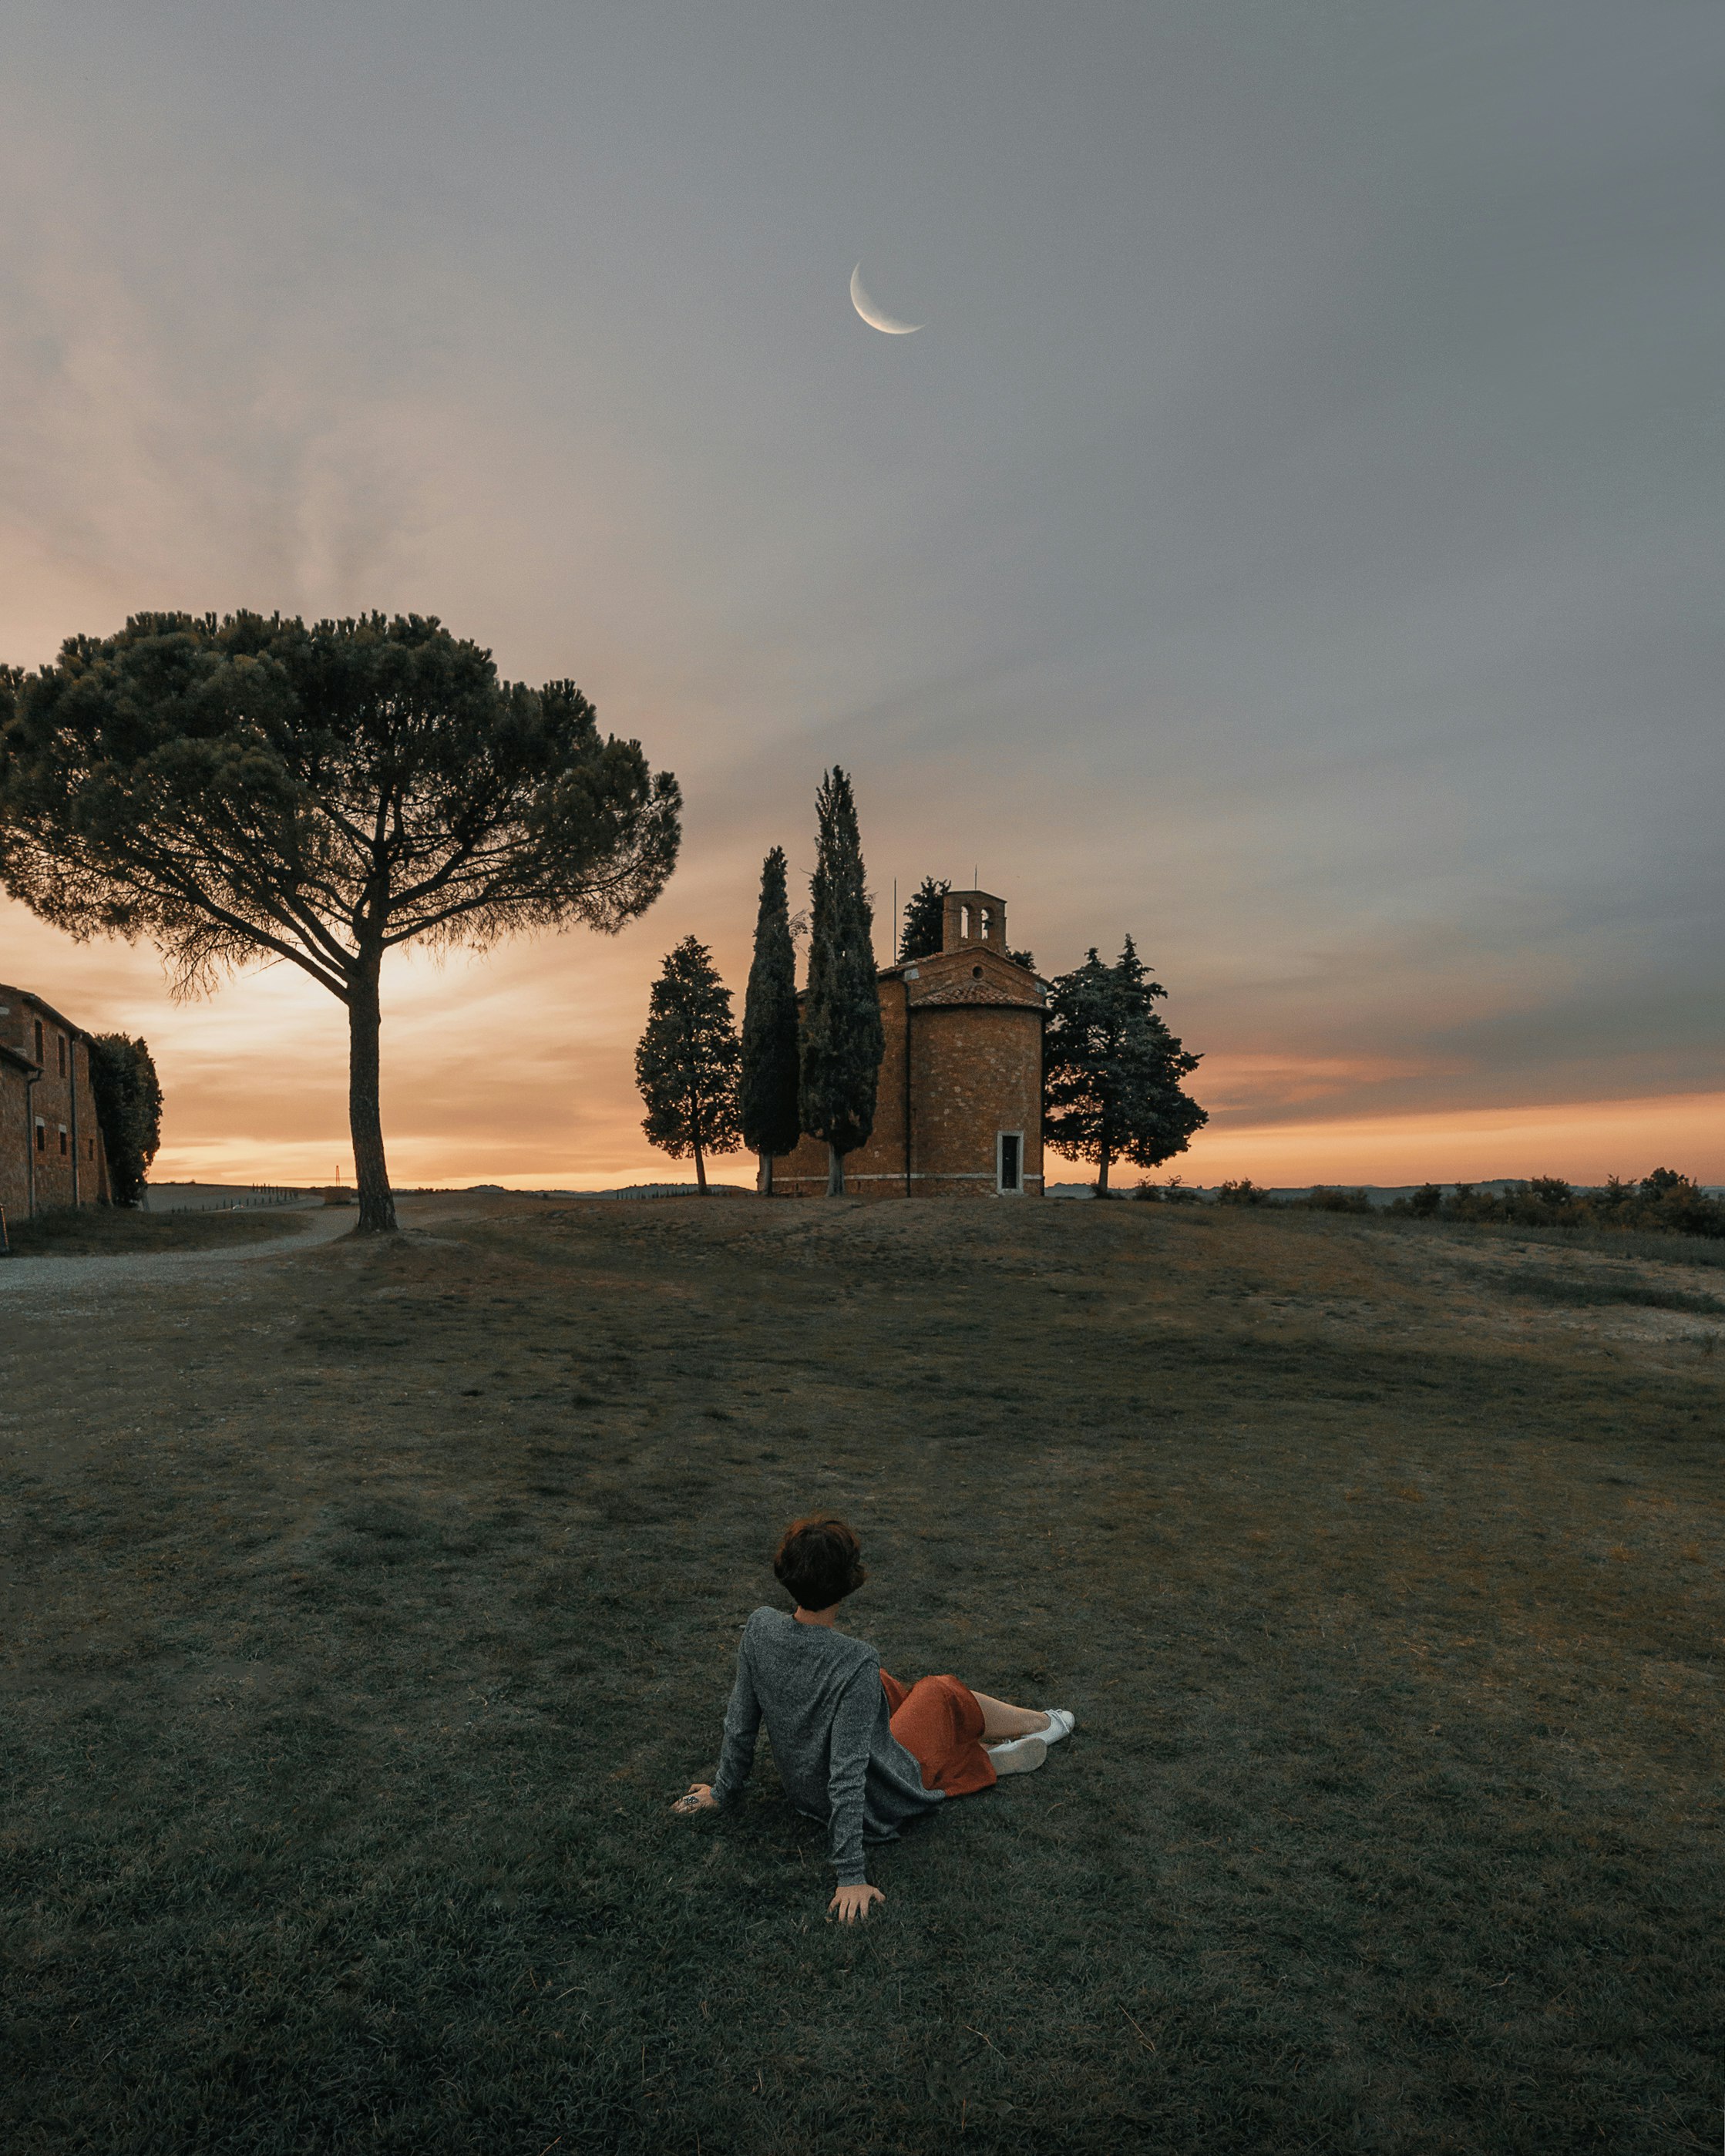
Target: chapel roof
972,973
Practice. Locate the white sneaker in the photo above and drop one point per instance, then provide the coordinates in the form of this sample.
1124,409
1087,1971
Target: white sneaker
1061,1723
1020,1755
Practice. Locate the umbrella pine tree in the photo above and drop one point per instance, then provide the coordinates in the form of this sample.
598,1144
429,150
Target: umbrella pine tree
252,789
767,1099
842,1041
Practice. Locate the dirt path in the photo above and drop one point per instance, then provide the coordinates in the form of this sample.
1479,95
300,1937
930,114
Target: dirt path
54,1275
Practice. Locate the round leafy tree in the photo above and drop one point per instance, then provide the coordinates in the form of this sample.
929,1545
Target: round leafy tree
1112,1070
688,1062
128,1101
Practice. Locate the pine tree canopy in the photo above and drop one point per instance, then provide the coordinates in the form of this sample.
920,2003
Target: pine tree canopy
768,1098
842,1041
1112,1070
253,788
925,921
688,1061
128,1103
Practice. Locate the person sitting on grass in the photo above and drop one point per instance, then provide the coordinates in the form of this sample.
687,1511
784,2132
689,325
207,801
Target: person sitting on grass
854,1747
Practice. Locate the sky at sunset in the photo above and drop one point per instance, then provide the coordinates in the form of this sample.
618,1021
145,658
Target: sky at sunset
1294,537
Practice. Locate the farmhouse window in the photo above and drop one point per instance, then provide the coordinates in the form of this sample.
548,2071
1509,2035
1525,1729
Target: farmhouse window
39,1040
63,1147
41,1135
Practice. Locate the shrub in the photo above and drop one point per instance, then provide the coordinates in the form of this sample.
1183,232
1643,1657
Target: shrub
1664,1202
1173,1191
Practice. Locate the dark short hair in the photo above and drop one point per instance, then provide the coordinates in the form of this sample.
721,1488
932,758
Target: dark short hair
818,1562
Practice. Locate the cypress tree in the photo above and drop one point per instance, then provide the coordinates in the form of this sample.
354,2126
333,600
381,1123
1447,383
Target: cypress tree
768,1099
925,921
687,1062
842,1040
1112,1070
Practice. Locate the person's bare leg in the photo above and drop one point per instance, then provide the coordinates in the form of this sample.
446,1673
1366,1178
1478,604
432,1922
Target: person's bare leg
1001,1721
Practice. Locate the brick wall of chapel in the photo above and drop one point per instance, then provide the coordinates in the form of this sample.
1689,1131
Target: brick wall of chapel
875,1169
975,1070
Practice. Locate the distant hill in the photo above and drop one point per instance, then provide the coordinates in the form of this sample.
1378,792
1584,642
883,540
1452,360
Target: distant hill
1381,1194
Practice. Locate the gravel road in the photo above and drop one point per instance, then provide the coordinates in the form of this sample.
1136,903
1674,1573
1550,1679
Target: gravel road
54,1275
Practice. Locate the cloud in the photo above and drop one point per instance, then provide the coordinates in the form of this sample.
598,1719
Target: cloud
1237,1085
1290,542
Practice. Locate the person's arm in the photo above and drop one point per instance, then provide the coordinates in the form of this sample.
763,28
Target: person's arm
743,1725
736,1755
847,1777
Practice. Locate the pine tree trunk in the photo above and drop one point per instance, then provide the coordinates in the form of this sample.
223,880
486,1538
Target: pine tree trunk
693,1098
835,1172
377,1206
764,1179
1102,1173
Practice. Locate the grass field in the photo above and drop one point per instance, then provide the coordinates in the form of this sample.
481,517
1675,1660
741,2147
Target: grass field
366,1610
102,1231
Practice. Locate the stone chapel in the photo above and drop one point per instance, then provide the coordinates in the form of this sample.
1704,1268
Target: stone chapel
958,1106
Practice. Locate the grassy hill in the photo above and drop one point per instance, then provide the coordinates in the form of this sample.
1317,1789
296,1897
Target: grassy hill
367,1611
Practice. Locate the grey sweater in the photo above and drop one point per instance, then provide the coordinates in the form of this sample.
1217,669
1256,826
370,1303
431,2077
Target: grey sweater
820,1692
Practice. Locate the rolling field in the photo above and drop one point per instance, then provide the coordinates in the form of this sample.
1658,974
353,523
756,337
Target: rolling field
366,1608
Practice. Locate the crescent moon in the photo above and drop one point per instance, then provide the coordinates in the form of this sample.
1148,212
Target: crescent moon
872,314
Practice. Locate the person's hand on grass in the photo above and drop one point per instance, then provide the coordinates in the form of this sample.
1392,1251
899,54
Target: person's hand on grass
697,1797
851,1905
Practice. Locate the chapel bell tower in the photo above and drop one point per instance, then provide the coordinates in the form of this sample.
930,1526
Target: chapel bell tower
973,917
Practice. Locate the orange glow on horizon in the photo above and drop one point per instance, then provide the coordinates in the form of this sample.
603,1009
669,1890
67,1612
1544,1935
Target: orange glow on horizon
517,1069
1583,1141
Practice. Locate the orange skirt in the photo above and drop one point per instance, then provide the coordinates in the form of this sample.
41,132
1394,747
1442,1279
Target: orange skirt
939,1723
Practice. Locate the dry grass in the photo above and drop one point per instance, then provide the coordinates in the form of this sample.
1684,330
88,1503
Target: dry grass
92,1231
369,1610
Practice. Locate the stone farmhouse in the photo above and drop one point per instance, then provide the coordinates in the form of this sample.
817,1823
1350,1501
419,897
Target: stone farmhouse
959,1105
51,1150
